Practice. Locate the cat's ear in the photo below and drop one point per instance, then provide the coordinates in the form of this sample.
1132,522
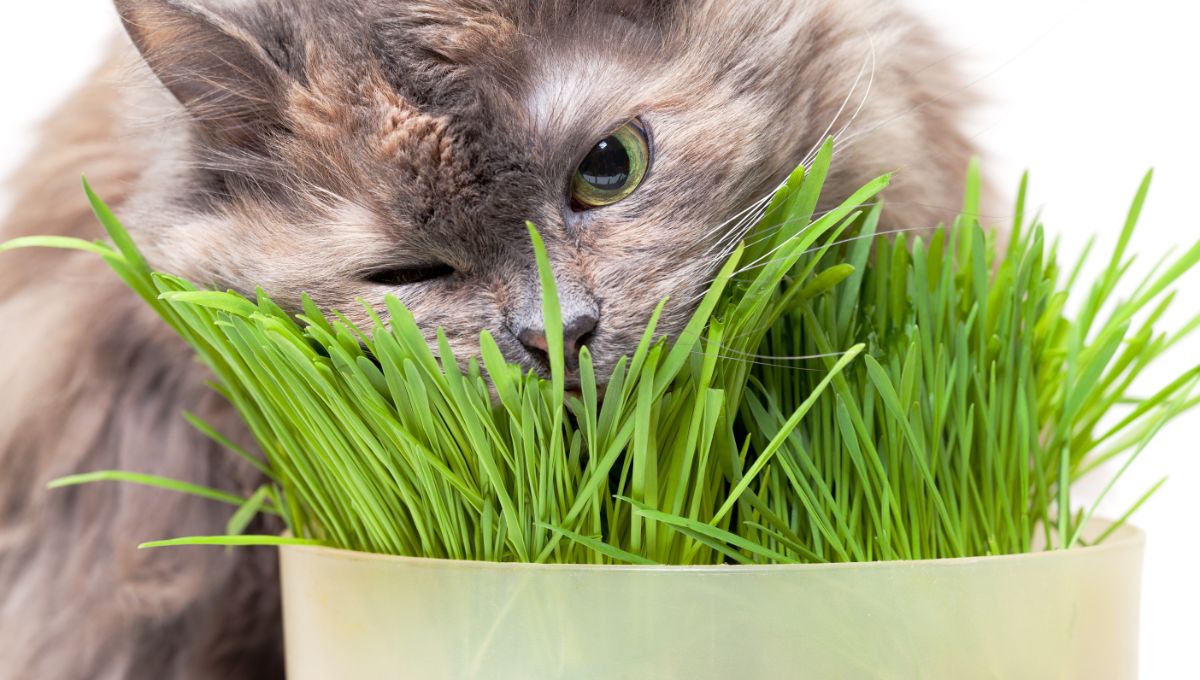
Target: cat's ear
220,73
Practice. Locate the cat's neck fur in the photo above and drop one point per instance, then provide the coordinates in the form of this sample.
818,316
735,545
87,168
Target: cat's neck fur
99,383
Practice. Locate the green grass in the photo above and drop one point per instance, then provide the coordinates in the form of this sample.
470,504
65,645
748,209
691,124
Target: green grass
837,396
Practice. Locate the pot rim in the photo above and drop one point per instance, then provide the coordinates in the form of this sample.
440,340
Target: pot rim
1127,537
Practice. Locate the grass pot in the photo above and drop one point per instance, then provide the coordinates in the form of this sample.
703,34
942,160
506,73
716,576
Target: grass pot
1065,614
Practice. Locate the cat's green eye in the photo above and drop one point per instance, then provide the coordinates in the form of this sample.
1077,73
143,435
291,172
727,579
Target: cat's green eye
613,169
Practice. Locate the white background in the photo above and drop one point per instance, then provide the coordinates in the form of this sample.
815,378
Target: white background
1087,95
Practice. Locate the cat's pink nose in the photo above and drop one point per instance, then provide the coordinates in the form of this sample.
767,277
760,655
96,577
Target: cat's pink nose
576,333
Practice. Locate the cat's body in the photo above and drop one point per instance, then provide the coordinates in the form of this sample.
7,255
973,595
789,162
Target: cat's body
322,143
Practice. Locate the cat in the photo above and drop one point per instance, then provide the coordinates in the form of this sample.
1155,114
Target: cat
357,148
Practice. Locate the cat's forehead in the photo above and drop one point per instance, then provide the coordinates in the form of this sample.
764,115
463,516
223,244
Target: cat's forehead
436,50
489,99
549,75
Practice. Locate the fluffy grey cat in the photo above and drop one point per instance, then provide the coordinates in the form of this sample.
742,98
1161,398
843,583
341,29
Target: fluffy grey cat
359,148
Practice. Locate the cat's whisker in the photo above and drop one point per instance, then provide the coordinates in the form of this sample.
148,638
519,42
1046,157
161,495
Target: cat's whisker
760,263
731,352
811,155
714,262
767,364
781,244
866,95
771,231
762,203
724,247
731,234
740,215
770,361
731,239
739,230
852,239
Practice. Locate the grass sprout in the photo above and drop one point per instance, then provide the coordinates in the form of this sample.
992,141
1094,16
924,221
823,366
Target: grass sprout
838,395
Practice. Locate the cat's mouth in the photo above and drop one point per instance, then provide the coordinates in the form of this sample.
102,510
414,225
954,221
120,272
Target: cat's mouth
575,390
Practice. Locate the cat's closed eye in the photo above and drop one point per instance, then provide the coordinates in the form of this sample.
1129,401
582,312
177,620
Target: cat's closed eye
408,275
613,169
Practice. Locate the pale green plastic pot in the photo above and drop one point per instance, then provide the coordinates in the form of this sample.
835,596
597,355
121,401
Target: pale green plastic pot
1066,614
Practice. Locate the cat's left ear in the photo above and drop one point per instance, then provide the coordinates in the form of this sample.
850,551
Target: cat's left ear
220,72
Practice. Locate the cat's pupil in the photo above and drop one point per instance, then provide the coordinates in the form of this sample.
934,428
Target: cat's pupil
607,166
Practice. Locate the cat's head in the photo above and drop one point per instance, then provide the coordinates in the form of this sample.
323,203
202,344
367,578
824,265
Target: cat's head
359,148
